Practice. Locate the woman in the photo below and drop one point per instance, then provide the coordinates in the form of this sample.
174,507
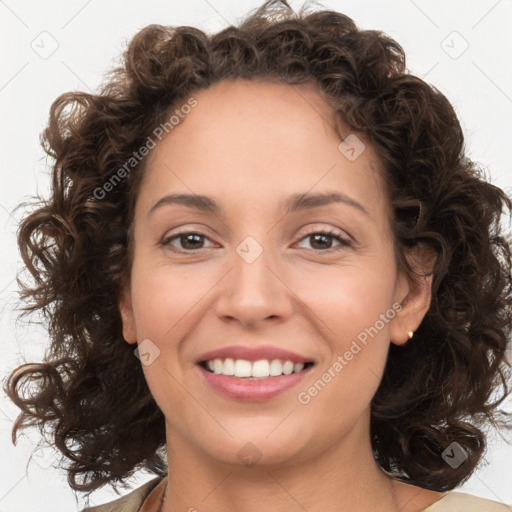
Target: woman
272,277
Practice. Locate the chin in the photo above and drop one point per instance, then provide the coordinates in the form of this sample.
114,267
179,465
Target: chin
256,447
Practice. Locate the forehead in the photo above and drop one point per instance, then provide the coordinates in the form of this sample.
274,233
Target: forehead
255,142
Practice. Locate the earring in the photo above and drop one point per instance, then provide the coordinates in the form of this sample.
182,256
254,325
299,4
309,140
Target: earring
411,334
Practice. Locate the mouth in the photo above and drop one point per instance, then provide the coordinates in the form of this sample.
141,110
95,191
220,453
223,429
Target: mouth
253,370
253,381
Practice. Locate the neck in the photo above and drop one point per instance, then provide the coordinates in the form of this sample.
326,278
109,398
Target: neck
343,478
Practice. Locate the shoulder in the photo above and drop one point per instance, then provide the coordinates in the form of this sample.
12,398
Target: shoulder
461,502
131,502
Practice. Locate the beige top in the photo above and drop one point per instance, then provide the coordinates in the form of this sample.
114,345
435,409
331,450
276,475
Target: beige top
146,497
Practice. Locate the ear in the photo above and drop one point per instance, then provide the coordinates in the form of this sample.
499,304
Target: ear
127,316
413,293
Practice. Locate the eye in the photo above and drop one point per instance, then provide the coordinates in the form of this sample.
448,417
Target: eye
324,238
189,241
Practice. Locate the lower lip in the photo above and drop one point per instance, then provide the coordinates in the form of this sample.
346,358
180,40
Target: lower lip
253,390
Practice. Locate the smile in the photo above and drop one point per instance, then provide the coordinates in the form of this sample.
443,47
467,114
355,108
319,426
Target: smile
260,380
261,369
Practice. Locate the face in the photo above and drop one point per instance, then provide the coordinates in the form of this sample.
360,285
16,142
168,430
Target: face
263,270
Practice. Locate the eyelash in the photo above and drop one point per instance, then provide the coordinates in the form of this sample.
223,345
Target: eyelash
344,242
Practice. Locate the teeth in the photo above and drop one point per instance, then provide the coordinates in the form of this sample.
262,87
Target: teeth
260,368
242,367
276,367
217,366
229,367
257,370
288,368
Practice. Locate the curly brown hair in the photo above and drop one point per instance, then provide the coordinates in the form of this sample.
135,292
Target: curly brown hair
89,395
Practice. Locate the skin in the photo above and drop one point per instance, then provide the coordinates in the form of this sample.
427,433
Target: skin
250,146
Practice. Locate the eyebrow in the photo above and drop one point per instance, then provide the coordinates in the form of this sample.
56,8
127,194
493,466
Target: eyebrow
296,202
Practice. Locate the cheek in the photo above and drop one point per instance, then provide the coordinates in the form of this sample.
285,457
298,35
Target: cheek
165,314
168,306
166,297
354,318
353,309
349,299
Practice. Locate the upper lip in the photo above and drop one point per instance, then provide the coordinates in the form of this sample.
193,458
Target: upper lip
253,354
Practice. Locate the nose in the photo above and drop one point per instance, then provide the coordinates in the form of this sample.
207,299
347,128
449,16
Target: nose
254,290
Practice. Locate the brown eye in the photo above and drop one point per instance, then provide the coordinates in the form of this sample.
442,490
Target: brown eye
321,241
188,241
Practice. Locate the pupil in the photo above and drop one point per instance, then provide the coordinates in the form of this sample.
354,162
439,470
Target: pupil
187,239
320,236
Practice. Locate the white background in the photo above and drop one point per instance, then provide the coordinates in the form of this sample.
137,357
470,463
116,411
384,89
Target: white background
89,37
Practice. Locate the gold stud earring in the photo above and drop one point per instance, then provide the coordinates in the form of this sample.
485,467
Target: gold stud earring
411,334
